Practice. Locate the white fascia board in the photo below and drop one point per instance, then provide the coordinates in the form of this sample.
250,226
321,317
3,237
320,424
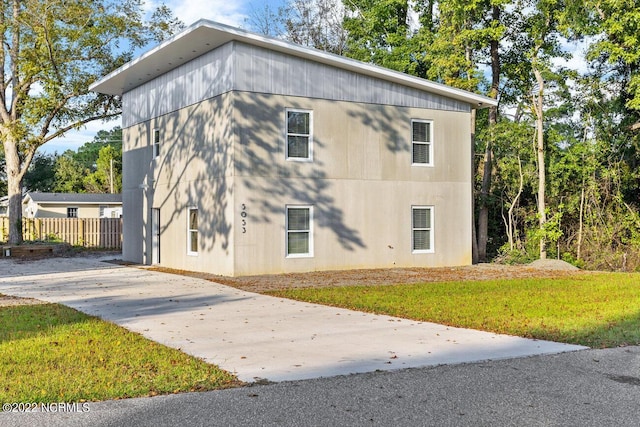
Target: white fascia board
204,36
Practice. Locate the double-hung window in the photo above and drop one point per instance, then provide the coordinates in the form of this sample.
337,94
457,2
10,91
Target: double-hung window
422,142
422,229
192,232
299,135
299,225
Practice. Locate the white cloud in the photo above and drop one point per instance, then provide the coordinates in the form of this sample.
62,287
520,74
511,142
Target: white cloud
230,12
578,50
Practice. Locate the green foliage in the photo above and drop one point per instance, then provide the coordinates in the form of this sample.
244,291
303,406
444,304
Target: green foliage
108,167
41,174
52,238
51,353
596,310
90,169
619,22
379,33
69,174
88,153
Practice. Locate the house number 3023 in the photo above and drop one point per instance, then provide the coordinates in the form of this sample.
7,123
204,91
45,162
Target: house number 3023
243,215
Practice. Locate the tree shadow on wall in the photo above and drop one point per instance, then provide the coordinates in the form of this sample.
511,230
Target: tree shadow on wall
274,182
378,119
194,166
199,164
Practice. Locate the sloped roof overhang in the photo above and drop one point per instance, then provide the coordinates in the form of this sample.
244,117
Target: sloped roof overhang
204,36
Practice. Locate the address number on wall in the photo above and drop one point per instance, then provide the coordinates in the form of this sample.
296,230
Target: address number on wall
243,215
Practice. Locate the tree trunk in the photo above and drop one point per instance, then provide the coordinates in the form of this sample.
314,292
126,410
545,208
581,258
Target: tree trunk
14,190
483,212
511,226
538,103
580,228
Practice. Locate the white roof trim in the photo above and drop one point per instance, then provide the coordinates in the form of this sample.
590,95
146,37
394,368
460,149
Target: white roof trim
204,36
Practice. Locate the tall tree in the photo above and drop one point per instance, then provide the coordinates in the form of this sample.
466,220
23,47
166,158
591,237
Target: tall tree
539,35
51,50
69,174
312,23
379,33
465,36
316,23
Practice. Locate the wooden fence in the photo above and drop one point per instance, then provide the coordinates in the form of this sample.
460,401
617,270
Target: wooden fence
87,232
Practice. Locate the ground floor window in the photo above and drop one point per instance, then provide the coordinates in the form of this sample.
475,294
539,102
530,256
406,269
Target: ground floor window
72,212
299,225
192,232
422,228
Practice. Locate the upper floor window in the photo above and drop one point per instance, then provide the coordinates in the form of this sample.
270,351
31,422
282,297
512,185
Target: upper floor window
422,228
156,143
422,142
299,135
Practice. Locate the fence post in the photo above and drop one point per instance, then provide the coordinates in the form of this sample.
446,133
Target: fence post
81,238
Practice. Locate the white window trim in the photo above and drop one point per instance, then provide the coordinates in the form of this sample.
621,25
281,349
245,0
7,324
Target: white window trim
155,147
189,251
286,135
431,228
429,144
286,231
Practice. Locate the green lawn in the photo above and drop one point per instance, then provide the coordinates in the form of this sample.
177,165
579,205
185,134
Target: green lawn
51,353
596,310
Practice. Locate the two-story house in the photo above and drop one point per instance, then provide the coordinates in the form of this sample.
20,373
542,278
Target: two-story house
246,155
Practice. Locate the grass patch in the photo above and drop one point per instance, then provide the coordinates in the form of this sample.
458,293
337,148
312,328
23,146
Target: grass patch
595,310
52,353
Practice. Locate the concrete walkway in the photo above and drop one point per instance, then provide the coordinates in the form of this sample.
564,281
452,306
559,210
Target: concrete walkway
252,335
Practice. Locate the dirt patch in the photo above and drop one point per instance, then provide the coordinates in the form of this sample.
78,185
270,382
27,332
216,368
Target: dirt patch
553,264
8,301
369,277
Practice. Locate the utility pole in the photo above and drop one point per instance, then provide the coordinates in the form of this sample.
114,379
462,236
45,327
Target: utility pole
111,175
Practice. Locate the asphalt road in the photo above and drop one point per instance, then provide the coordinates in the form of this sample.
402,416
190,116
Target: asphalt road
584,388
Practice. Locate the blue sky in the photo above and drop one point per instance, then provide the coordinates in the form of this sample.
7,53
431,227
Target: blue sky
231,12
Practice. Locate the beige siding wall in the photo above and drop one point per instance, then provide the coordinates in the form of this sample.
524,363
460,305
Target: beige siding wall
361,185
194,169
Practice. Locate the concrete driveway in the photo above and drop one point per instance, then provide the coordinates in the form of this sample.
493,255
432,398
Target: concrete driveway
254,336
